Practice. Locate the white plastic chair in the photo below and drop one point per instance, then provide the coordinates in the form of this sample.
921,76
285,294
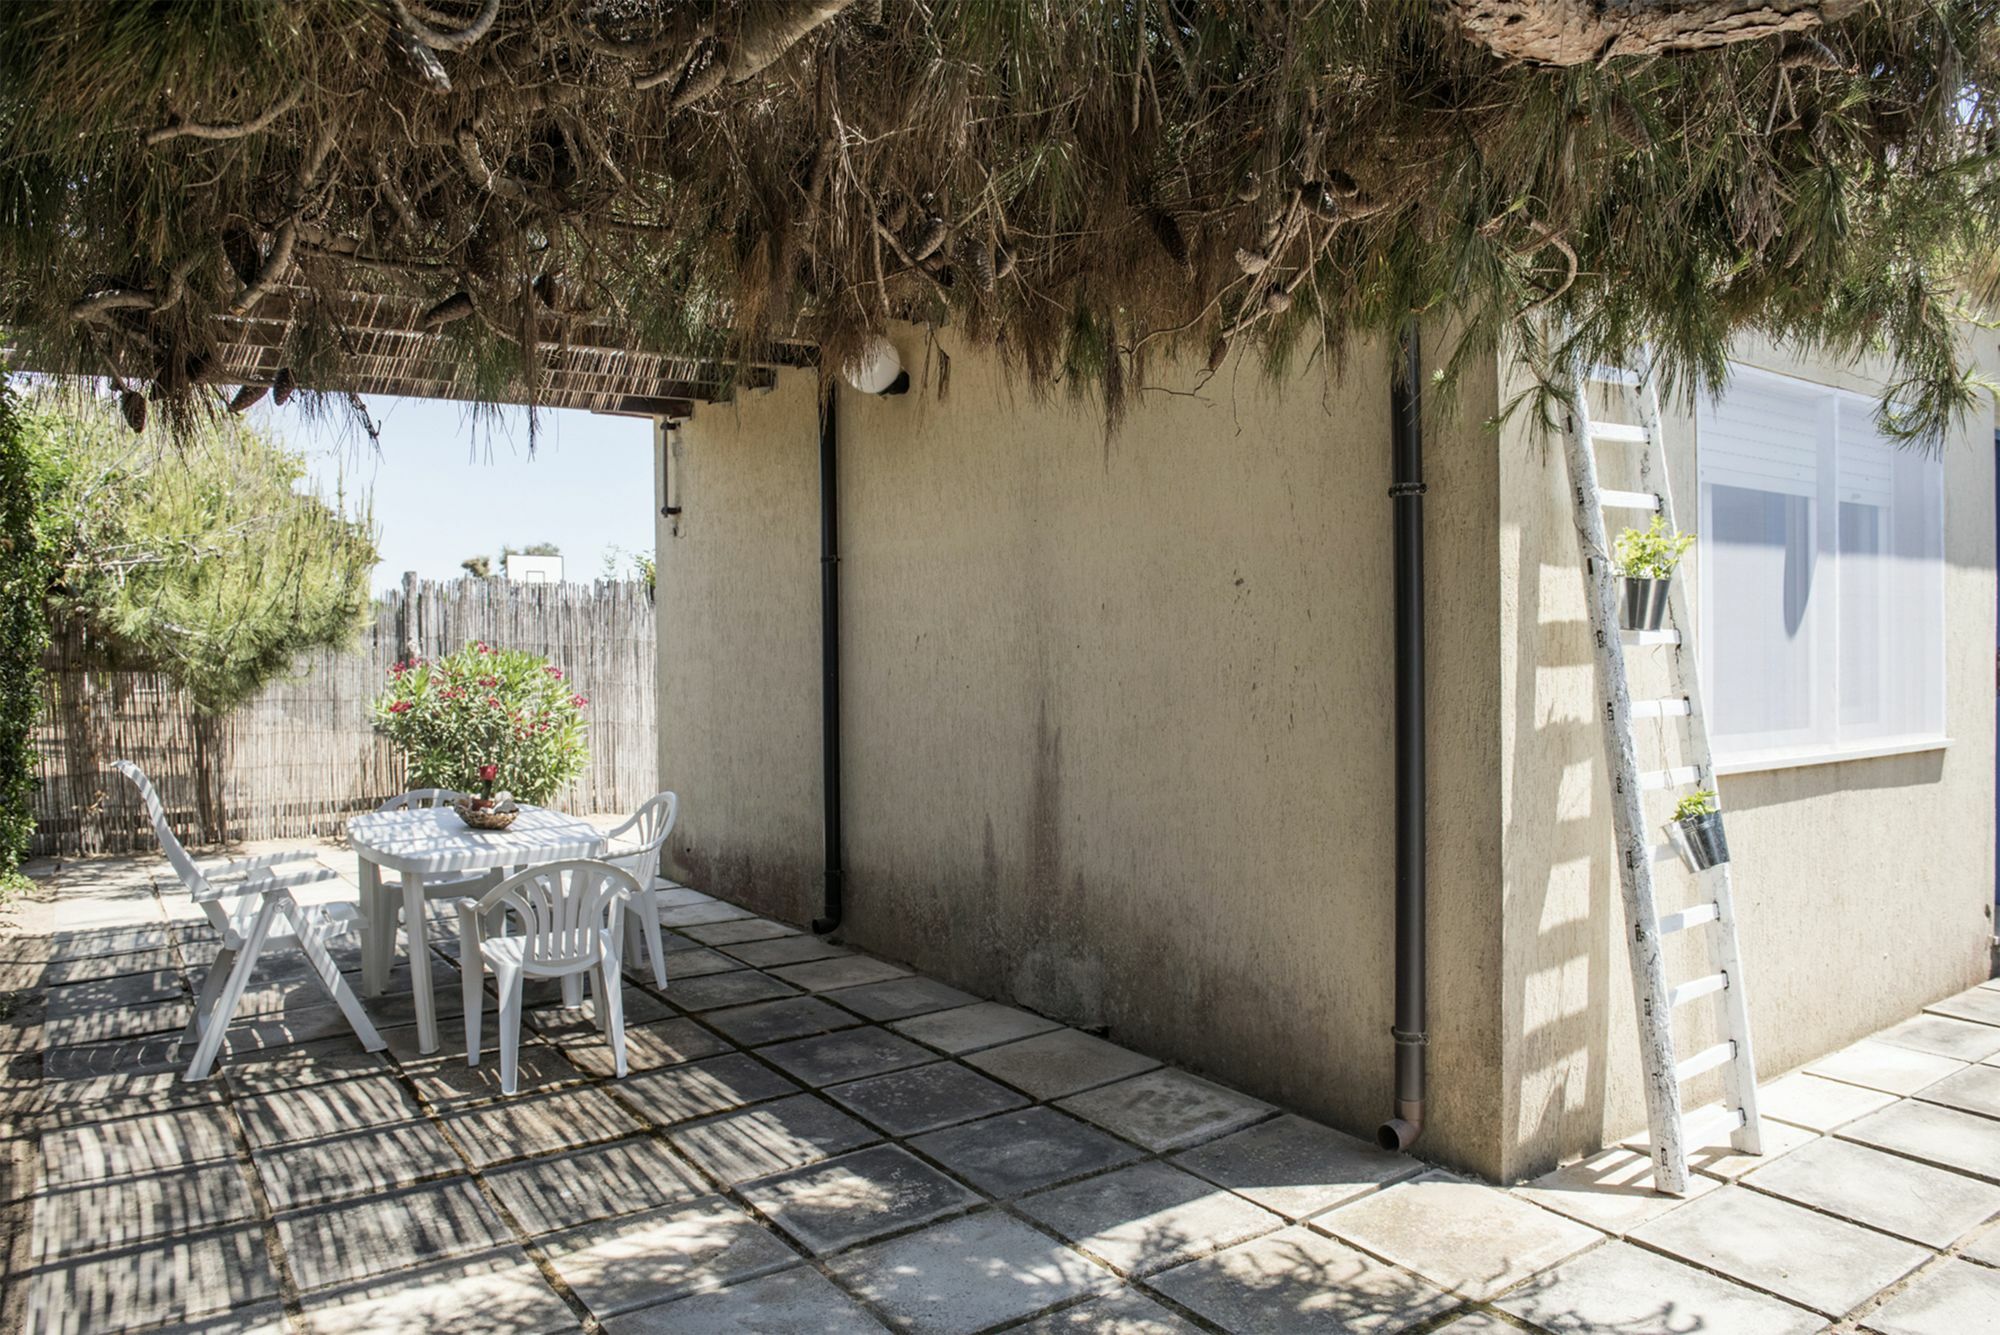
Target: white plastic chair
250,903
568,918
636,846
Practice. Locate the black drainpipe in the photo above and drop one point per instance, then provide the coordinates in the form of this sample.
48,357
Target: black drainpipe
1406,492
829,661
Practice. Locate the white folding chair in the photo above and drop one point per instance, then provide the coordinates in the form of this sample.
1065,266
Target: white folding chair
568,919
250,903
636,846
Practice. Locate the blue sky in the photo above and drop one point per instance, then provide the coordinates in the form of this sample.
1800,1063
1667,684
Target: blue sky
446,487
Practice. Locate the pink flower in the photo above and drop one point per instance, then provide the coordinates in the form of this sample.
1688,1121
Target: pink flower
488,773
493,700
555,672
489,681
481,646
579,700
400,707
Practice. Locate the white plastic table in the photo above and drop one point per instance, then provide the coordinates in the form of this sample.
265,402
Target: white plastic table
426,843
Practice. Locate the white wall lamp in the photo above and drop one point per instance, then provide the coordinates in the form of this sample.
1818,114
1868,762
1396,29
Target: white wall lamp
877,369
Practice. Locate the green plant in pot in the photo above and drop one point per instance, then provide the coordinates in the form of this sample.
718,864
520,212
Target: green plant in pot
1645,561
1697,830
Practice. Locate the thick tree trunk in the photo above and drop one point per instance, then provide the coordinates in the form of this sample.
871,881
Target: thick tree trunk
210,813
1579,32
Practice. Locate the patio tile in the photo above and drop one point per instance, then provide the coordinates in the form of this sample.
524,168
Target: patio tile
92,968
498,1292
698,1089
968,1274
330,1109
563,1024
648,1047
263,1033
1979,1004
176,1280
158,1053
1299,1280
770,1138
514,1128
128,1146
858,1196
671,895
114,1095
301,1064
985,1025
260,1319
338,1244
846,971
774,1021
1947,1137
1066,1061
795,948
1125,1312
737,930
1912,1200
696,963
1985,1247
131,989
1296,1167
99,1026
561,1191
701,915
1612,1190
899,998
1976,1089
1816,1103
1884,1066
354,1165
1470,1238
1148,1216
633,1262
1943,1036
105,1216
1624,1288
1168,1109
1024,1151
848,1055
924,1098
448,1083
1719,1160
1825,1264
92,942
717,990
1954,1299
799,1300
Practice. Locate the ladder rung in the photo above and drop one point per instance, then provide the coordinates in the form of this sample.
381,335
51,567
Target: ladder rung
1710,1125
1697,987
1666,707
1705,1060
1679,777
1619,432
1693,916
1613,375
1649,637
1629,500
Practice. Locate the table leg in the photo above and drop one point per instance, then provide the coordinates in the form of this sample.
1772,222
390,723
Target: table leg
378,949
420,962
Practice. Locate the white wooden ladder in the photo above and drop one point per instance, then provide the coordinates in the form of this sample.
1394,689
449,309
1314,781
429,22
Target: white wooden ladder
1710,909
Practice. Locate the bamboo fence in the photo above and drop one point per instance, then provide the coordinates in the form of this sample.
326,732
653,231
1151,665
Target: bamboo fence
302,757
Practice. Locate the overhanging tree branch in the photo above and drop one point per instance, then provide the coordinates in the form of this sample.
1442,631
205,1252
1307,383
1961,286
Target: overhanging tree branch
1583,32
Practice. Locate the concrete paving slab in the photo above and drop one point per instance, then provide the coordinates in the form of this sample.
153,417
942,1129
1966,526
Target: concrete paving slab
966,1028
698,1089
1626,1289
648,1047
328,1245
1297,1167
493,1133
1612,1190
1065,1061
737,930
1479,1323
1815,1261
128,1146
799,1301
106,1216
1816,1103
561,1191
301,1064
103,1026
716,990
1976,1089
1019,1152
851,1054
1978,1004
1985,1247
702,915
1167,1109
650,1258
857,1196
1148,1216
1296,1280
158,1053
696,962
1943,1036
900,998
924,1098
775,1021
1913,1200
129,989
848,971
311,1111
770,1138
1884,1066
1467,1237
791,949
1957,1298
969,1274
1124,1312
179,1279
1719,1160
448,1083
1962,1141
563,1024
341,1167
258,1319
499,1292
93,968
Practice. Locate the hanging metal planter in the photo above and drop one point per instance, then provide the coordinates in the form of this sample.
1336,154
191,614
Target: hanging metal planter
1643,603
1700,840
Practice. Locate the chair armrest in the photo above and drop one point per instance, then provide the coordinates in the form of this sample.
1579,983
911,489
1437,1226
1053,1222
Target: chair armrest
244,866
264,882
612,834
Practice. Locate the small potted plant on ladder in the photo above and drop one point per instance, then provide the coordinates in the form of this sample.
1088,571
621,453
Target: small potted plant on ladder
1696,831
1645,562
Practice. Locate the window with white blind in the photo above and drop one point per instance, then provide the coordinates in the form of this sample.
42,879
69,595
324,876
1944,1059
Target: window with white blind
1822,577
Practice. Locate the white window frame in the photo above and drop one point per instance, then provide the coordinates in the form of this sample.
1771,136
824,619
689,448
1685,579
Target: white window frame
1826,649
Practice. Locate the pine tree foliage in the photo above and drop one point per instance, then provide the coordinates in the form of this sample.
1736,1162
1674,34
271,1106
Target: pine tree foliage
1084,187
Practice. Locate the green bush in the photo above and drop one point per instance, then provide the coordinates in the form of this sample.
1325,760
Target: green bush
1651,553
483,706
26,566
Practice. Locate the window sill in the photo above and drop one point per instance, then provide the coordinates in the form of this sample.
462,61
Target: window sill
1756,762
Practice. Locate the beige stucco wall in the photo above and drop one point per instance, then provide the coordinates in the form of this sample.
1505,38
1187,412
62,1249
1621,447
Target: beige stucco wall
1117,718
1864,888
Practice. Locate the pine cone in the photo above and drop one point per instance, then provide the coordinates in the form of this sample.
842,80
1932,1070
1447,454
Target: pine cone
133,404
247,396
1252,261
979,260
1249,188
1277,301
283,386
1809,53
1627,123
930,239
1003,260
